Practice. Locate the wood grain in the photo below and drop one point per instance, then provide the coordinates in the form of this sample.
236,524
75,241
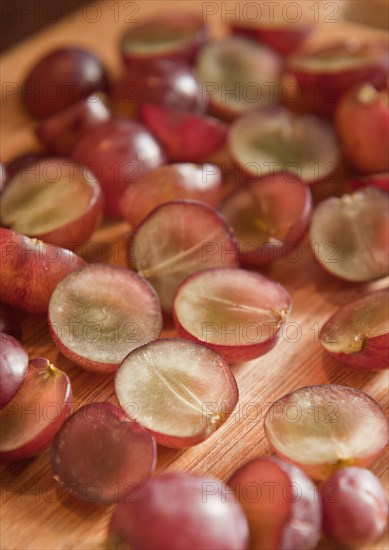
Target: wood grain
35,513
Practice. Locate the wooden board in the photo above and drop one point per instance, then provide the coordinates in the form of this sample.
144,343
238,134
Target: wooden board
35,513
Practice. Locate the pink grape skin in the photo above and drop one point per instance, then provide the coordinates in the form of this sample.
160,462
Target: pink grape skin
50,393
164,81
118,152
180,511
73,73
126,453
13,367
355,507
284,39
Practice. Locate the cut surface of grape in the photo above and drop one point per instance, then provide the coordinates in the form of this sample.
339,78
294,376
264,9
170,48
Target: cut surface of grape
322,428
358,333
179,238
173,37
282,509
183,391
99,454
168,183
276,140
45,390
101,313
269,217
181,511
31,269
355,245
237,313
13,367
355,507
56,200
239,75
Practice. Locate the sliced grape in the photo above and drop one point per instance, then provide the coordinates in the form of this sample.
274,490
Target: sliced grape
181,511
358,333
60,132
31,269
186,137
195,388
239,75
282,509
100,313
326,72
168,183
61,78
355,507
118,152
168,37
164,81
275,140
30,421
269,217
322,428
375,180
283,37
9,322
179,238
55,200
237,313
13,367
355,245
99,454
362,122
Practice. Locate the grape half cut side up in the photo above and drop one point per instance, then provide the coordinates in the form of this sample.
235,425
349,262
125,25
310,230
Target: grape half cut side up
45,390
281,506
269,216
31,269
101,313
180,510
13,367
179,238
183,391
355,245
358,333
57,201
326,427
100,455
235,312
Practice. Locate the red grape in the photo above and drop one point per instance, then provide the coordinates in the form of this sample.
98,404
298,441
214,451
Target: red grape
195,388
23,162
99,454
9,322
13,367
374,180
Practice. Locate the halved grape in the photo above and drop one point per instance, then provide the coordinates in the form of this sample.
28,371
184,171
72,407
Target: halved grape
60,78
31,420
60,132
269,216
179,238
180,391
176,36
326,72
275,140
355,245
9,322
237,313
172,182
13,367
100,313
280,503
358,333
374,180
326,427
31,269
118,152
355,507
239,75
164,81
186,137
179,511
55,200
99,454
